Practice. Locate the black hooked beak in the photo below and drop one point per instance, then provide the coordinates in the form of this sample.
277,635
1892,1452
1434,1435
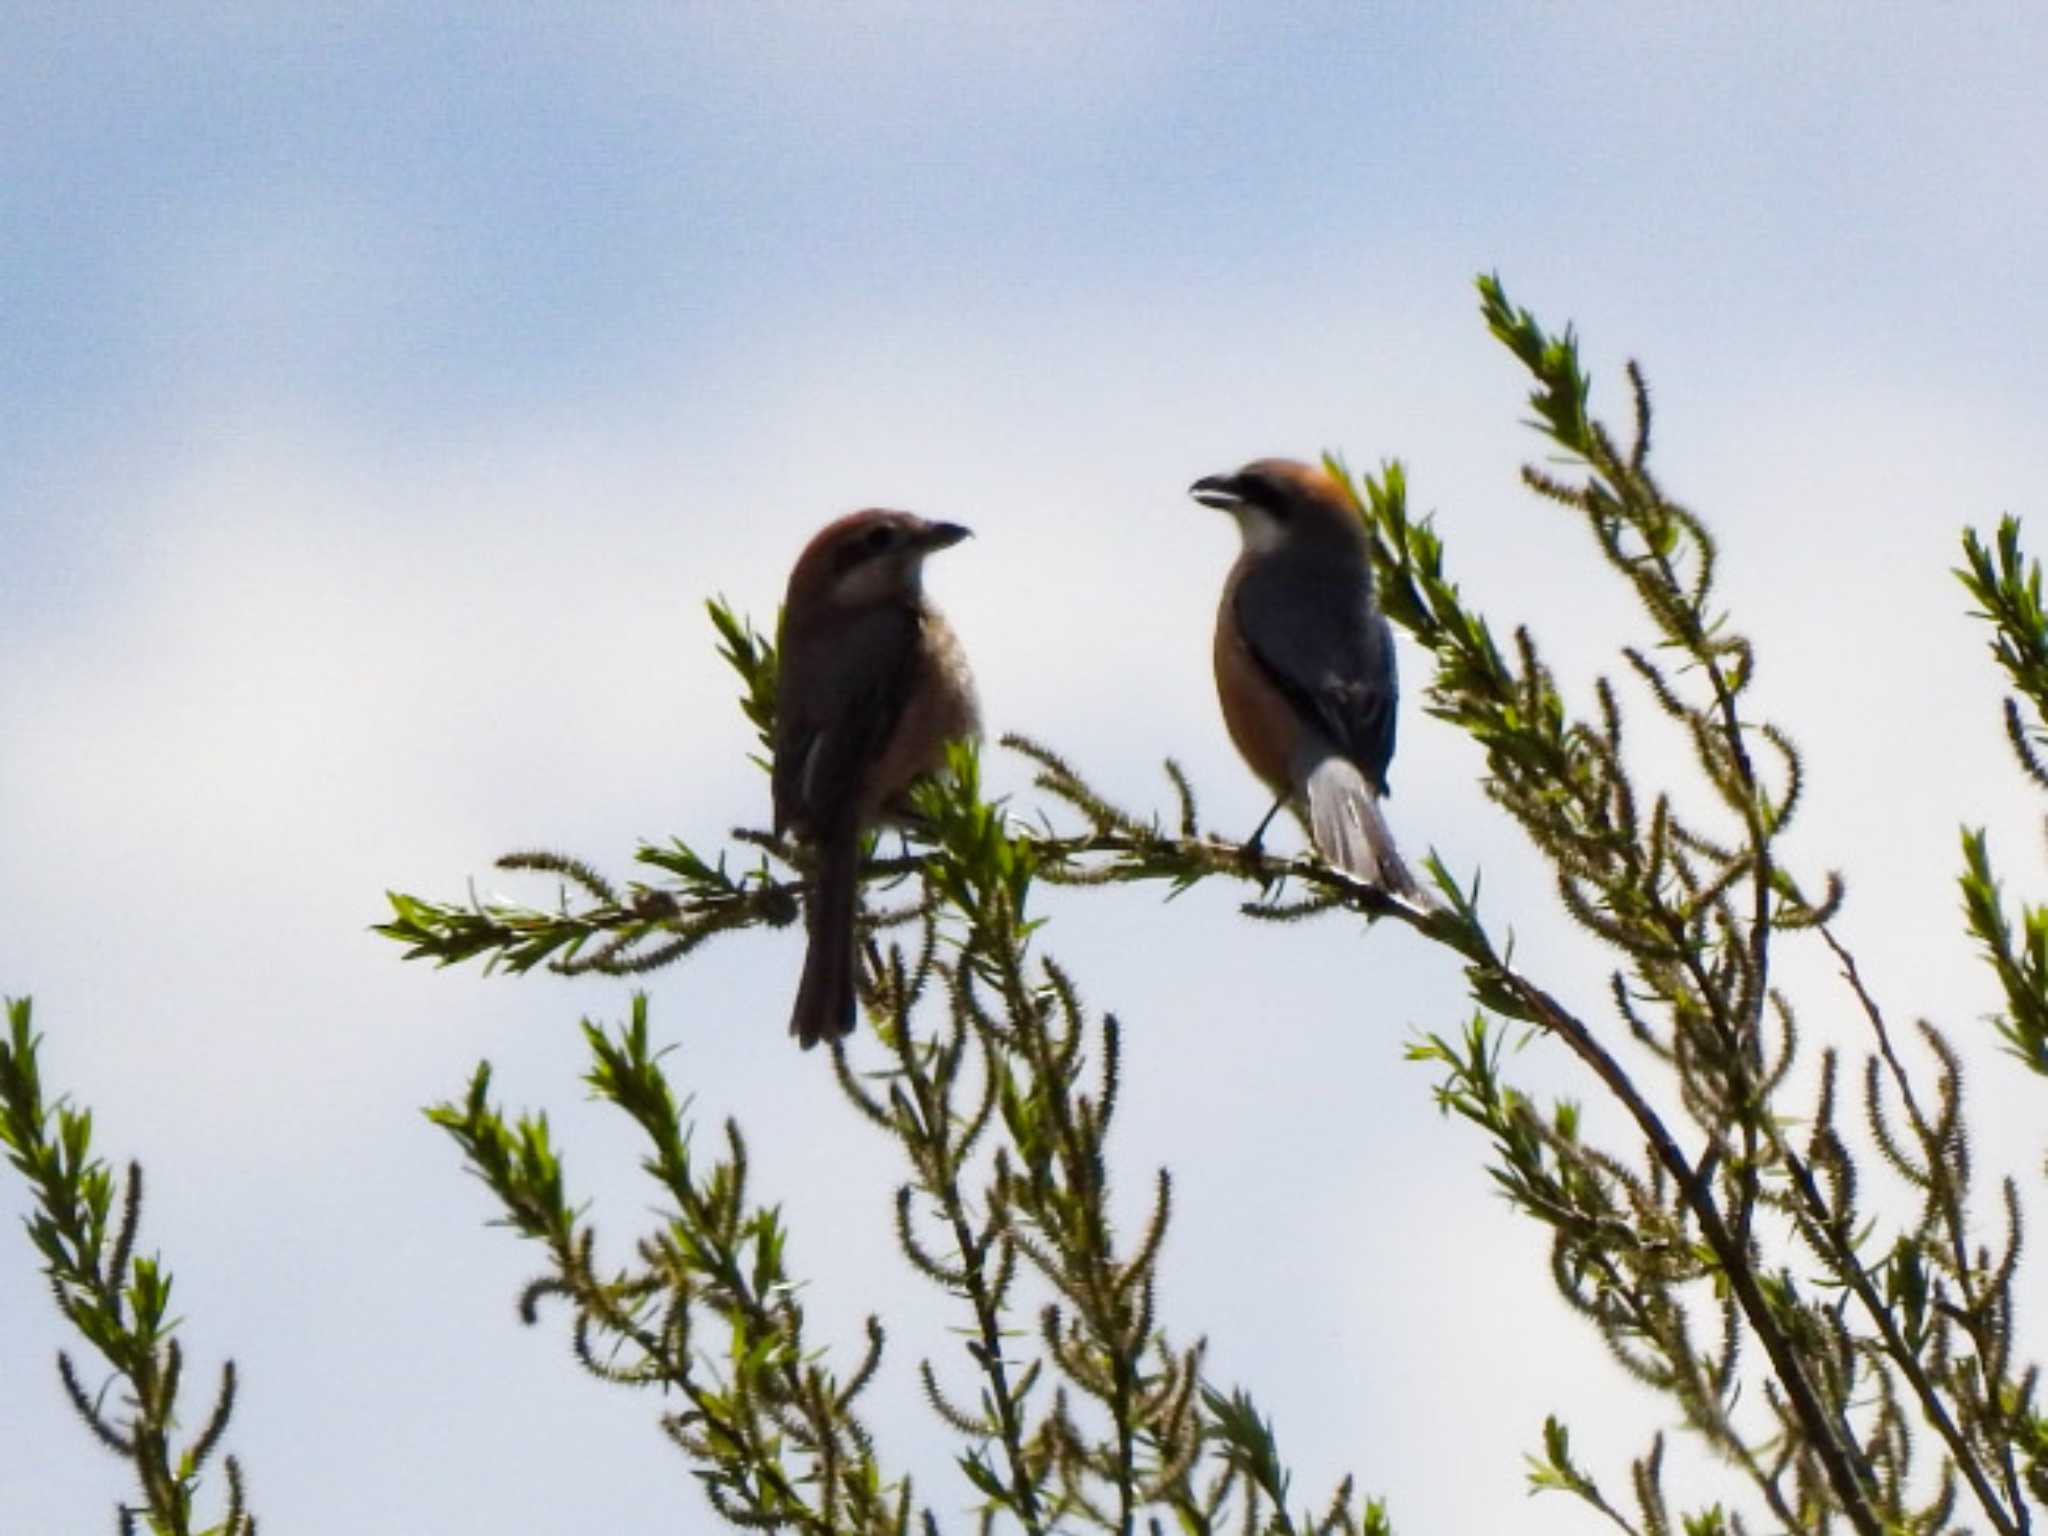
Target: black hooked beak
938,536
1219,491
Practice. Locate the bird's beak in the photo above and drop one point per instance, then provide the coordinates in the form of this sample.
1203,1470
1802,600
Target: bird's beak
938,536
1218,491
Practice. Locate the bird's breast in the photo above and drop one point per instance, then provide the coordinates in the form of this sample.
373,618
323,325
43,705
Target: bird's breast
1262,722
941,707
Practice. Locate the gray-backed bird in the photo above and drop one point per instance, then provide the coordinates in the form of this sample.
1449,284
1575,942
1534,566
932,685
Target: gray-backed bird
872,684
1305,660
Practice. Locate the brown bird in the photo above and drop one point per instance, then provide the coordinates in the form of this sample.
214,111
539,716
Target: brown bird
1305,660
872,686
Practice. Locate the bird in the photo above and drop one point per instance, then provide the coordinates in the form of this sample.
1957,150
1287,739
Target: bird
871,685
1305,660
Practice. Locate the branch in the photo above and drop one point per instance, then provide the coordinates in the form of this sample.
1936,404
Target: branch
117,1302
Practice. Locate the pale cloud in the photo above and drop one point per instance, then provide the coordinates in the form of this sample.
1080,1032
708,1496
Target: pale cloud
354,607
315,672
320,673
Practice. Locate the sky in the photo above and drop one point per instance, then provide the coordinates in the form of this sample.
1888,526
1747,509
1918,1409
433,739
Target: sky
386,386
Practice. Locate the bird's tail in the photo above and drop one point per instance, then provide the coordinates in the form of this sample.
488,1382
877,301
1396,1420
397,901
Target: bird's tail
824,997
1345,824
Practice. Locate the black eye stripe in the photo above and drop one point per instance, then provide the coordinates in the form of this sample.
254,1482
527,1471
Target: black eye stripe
1260,492
874,541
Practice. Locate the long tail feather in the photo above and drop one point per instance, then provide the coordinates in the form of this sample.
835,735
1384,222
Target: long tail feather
1348,831
824,997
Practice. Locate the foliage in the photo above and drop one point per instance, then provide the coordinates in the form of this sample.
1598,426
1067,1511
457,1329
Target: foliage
2008,593
773,1433
118,1301
1843,1344
1849,1355
1002,1108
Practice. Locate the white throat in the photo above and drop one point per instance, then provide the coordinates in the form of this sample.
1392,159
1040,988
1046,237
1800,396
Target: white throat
1260,530
881,579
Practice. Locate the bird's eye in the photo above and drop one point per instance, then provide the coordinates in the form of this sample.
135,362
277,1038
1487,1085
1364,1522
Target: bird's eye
1257,491
869,544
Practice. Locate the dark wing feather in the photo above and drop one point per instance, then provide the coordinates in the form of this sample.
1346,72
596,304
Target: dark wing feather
838,702
1310,623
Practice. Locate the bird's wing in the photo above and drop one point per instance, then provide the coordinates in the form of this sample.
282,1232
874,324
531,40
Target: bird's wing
839,700
1315,633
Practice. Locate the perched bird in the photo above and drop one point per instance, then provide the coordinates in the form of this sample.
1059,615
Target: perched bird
872,685
1305,660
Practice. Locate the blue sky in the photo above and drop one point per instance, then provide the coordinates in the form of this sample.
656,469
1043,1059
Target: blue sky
385,386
